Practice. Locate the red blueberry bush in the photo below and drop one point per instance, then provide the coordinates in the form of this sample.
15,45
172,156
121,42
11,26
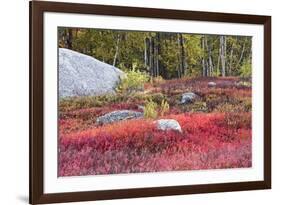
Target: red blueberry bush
216,131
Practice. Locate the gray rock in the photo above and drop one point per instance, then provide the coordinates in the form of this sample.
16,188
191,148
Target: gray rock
119,115
82,75
188,98
168,124
212,84
140,107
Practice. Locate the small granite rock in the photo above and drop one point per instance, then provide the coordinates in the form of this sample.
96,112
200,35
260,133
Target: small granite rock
168,124
140,107
188,98
119,115
212,84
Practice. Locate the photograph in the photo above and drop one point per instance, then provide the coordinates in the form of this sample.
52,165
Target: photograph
129,102
149,101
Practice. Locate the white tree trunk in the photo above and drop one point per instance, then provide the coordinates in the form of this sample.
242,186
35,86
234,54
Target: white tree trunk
210,66
116,50
203,57
222,55
145,53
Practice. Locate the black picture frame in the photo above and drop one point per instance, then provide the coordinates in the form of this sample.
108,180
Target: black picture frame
37,9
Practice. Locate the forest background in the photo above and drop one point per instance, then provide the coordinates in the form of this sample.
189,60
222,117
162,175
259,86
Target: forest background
169,55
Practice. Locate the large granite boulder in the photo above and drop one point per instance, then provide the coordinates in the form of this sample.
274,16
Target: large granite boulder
168,124
119,115
82,75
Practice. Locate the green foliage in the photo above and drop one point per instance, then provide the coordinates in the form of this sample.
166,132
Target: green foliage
146,51
244,83
157,80
197,106
131,50
133,81
246,69
195,54
73,103
164,107
150,110
156,97
170,56
229,104
247,104
228,107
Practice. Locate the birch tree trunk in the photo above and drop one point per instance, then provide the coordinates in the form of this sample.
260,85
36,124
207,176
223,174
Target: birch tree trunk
218,63
210,66
145,53
225,56
116,50
203,57
222,55
151,56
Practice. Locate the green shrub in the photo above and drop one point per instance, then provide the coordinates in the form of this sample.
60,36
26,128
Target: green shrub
246,69
228,107
156,97
240,105
73,103
247,103
157,80
150,109
164,107
244,83
133,81
198,106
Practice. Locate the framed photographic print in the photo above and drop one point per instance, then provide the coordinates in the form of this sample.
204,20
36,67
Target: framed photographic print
139,102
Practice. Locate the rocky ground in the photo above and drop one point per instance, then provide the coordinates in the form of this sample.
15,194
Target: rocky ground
207,126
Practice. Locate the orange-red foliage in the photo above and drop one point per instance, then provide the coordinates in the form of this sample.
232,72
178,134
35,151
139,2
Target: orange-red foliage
207,142
219,137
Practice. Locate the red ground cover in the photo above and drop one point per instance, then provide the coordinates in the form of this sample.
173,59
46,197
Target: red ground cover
216,132
208,141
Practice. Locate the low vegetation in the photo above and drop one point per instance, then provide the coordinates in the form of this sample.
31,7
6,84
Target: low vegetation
216,129
132,81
